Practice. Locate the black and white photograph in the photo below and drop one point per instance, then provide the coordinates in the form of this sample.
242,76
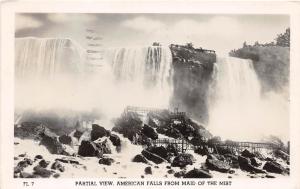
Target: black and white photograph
149,95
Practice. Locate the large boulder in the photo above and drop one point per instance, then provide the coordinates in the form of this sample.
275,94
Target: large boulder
89,149
129,125
77,134
115,139
273,167
140,159
106,161
40,171
149,132
148,171
104,146
98,132
255,162
153,157
52,144
246,153
217,165
202,150
57,166
30,130
169,131
65,139
245,164
198,173
183,160
159,150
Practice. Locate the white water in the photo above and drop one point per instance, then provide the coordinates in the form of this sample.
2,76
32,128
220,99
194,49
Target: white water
54,74
237,110
47,57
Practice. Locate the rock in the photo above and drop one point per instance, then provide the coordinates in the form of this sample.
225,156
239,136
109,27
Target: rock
89,149
160,151
29,161
56,175
16,158
174,133
273,167
17,169
40,171
198,173
245,164
38,157
259,155
179,174
270,176
140,159
255,162
223,150
170,171
202,150
129,125
231,171
57,166
67,160
148,171
26,175
246,153
149,132
65,139
98,132
153,157
172,149
104,147
22,164
217,165
106,161
22,155
281,154
77,134
182,160
44,163
52,144
115,139
29,130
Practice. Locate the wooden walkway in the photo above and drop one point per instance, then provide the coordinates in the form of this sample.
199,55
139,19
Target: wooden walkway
183,145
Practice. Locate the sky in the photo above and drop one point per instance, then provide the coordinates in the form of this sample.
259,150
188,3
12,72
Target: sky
218,32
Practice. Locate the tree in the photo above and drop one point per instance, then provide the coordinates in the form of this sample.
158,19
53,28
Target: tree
283,40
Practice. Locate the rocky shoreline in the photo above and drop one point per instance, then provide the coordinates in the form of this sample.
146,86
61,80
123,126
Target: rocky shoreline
129,147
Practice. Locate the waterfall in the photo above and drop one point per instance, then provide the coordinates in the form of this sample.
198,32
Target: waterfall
237,110
54,73
143,74
46,57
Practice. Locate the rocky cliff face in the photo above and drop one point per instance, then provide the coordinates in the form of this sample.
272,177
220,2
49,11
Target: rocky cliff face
192,74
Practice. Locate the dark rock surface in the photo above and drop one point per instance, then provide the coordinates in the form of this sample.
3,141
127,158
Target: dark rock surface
115,139
149,132
148,171
106,161
246,153
89,149
217,165
40,171
182,160
44,164
140,159
57,166
198,173
245,164
273,167
98,132
152,157
203,150
65,139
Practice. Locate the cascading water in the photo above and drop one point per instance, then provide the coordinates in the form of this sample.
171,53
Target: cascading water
140,76
237,110
46,58
146,72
